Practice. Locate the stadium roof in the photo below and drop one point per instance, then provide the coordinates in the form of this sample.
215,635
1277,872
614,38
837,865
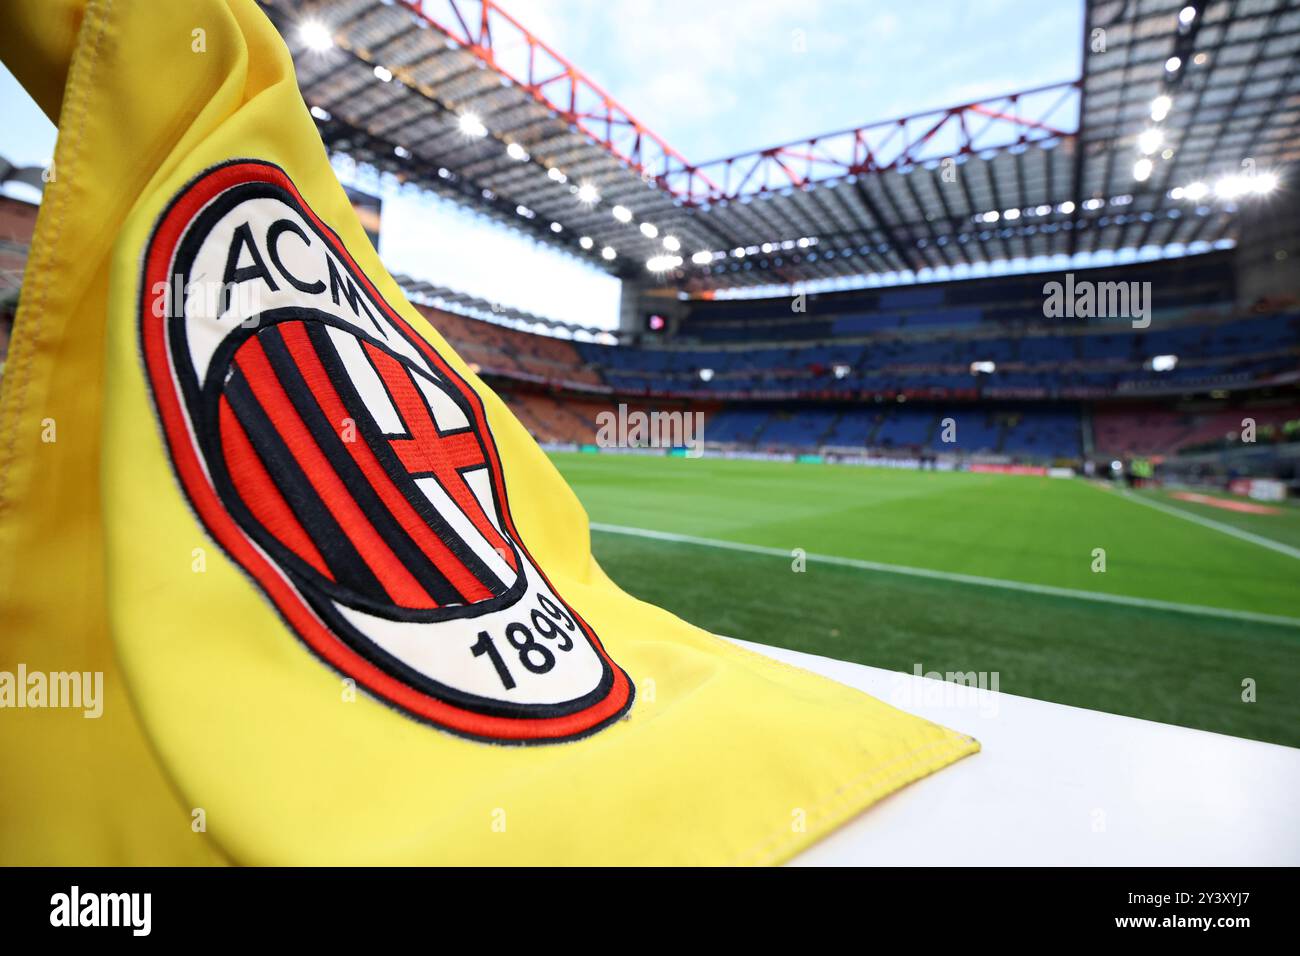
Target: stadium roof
457,96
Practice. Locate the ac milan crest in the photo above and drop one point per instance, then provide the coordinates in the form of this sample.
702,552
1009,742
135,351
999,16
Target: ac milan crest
342,462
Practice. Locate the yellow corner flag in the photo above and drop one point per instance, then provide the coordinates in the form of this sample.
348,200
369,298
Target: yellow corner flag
343,608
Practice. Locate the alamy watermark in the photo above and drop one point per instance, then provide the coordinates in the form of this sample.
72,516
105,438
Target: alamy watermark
634,428
954,690
177,297
133,911
73,690
1085,299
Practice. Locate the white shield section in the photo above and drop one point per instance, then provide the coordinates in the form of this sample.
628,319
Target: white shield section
445,652
207,326
533,652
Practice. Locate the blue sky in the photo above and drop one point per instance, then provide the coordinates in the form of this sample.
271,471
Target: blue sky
713,77
717,77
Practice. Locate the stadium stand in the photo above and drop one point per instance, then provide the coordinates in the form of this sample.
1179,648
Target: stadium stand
497,349
1160,430
888,380
1058,388
575,419
17,221
1201,286
1049,390
739,425
1034,357
548,420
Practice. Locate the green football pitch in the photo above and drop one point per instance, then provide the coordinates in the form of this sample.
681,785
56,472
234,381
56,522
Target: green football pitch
971,572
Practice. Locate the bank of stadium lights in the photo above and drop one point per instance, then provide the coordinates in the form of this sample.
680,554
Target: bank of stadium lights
1160,107
706,375
588,194
622,213
663,263
470,125
556,176
517,152
322,114
586,242
704,257
1012,215
1173,64
556,228
1150,140
1233,187
315,36
1264,183
608,253
383,74
401,152
1227,188
649,230
1186,15
1164,363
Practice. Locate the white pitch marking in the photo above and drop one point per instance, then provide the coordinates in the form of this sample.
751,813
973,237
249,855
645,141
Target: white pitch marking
960,578
1258,539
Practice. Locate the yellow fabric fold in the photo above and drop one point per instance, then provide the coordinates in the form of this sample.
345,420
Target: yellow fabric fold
226,733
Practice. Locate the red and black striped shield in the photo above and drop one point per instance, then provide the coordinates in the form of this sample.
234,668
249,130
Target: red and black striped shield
341,461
